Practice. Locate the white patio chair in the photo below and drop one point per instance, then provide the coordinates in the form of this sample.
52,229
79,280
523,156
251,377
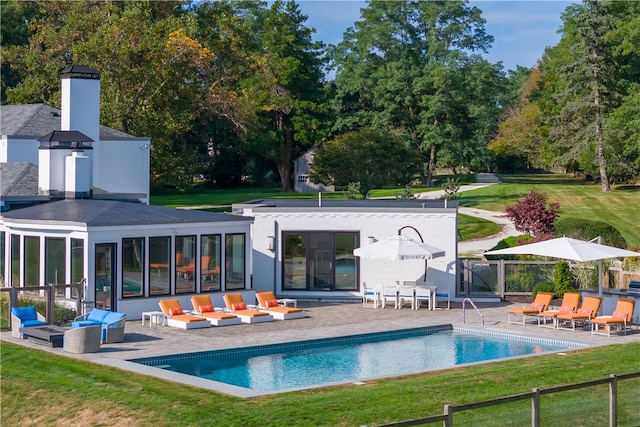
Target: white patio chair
389,293
407,293
370,296
424,293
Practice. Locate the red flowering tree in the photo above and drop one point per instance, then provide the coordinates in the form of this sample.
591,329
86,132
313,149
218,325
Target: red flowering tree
532,215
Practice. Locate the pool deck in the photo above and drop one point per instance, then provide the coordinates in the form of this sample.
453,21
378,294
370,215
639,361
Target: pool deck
324,320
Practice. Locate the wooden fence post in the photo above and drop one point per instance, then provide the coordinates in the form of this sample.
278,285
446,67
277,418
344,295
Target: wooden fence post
535,408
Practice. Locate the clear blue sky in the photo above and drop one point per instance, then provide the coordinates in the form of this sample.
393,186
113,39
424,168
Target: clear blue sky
521,28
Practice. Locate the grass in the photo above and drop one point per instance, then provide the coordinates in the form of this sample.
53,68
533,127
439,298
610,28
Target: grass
39,388
577,198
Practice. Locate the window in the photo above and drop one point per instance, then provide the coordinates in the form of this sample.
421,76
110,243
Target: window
133,267
159,265
234,261
105,290
15,260
77,263
303,179
2,256
31,261
210,249
185,264
320,260
55,262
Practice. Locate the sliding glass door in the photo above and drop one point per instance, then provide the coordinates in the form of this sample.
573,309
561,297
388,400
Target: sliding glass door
320,261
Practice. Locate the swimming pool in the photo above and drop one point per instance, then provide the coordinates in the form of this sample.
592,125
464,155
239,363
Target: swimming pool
315,363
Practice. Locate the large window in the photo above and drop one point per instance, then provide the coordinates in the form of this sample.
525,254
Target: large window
320,260
31,261
133,267
55,262
210,248
104,276
15,260
185,264
77,263
159,265
234,261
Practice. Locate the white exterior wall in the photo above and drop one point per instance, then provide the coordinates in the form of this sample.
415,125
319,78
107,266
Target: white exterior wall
16,149
437,229
80,106
123,167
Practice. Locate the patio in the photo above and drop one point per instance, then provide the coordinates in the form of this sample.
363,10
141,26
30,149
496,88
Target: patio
324,320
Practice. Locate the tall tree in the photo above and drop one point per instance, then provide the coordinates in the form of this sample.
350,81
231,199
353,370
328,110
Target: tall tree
590,93
285,88
399,68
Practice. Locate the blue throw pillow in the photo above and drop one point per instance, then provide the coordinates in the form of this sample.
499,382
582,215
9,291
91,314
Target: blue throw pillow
25,313
112,317
97,315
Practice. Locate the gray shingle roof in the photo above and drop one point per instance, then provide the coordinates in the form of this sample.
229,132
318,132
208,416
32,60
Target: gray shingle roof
98,213
36,120
18,179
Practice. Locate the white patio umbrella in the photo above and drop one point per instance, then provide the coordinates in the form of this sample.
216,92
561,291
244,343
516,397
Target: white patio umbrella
398,248
571,249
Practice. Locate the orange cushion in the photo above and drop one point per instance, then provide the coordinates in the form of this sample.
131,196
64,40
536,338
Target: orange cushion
272,303
566,309
175,311
618,315
239,306
206,308
584,311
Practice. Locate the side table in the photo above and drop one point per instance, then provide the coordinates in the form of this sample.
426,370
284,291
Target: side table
154,317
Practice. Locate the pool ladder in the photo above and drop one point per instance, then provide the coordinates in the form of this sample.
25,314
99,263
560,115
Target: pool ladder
474,306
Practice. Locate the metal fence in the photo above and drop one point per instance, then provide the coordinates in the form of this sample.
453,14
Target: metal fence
599,402
500,278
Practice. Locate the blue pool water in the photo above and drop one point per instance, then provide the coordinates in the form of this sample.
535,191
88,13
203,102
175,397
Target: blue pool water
347,359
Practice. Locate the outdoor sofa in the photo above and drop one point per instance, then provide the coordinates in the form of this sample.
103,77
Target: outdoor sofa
111,322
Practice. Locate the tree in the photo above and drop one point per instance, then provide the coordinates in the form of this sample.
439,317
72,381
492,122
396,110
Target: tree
366,157
284,90
532,216
401,70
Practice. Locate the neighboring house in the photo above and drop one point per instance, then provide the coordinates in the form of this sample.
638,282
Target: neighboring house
302,171
305,247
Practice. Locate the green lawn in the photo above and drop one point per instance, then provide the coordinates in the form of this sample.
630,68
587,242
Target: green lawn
43,389
577,198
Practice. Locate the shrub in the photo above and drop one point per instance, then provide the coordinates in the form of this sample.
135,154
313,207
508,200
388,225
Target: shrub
542,287
562,279
405,194
585,229
450,187
531,215
352,191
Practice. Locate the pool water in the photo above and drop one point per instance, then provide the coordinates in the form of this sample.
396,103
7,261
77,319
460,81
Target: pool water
314,363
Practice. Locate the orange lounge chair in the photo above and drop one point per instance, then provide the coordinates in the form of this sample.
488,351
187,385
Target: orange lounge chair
203,306
268,301
236,305
588,310
570,303
620,318
539,304
177,318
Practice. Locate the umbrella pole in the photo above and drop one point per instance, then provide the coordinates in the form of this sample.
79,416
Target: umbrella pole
600,278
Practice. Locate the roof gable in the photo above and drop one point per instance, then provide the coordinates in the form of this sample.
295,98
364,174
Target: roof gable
18,179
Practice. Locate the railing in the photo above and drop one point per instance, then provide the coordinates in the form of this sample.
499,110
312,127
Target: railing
474,306
48,294
449,410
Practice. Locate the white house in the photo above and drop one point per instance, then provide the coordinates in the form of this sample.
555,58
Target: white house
305,248
302,173
75,207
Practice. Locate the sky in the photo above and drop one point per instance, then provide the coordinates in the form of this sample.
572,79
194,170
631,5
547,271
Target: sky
521,29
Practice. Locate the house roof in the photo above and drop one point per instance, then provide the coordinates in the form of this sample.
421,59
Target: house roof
346,205
18,179
36,120
98,213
